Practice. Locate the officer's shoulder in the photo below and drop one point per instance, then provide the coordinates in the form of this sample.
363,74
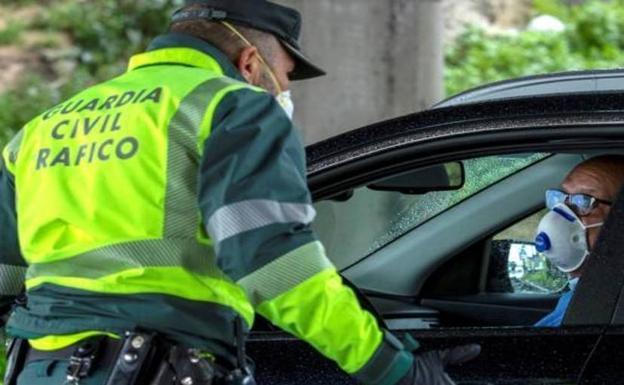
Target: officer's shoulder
247,103
236,93
238,87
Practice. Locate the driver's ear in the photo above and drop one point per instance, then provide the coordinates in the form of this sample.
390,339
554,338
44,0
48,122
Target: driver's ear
249,64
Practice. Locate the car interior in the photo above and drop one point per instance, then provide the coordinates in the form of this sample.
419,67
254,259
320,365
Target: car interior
466,259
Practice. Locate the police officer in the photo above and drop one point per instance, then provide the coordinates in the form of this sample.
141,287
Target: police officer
157,212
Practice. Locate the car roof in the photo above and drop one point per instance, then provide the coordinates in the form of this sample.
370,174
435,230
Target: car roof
573,82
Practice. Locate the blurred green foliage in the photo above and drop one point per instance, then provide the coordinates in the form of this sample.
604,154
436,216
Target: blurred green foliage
11,33
104,34
549,278
593,38
108,31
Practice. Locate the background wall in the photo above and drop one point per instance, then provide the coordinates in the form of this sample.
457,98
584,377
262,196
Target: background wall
383,58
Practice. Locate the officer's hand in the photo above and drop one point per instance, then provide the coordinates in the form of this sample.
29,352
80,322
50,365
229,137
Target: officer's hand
428,368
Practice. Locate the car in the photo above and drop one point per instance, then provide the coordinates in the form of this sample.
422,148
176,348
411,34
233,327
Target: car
449,260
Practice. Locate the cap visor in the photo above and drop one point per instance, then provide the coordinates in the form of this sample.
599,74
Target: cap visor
304,69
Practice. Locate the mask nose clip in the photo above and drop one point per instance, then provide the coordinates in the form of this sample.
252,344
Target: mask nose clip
542,242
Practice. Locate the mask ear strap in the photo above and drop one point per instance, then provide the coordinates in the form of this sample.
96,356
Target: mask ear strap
593,225
244,39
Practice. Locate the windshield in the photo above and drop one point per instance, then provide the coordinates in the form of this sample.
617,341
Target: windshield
369,220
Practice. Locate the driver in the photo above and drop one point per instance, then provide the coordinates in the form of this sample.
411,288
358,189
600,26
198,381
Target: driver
577,211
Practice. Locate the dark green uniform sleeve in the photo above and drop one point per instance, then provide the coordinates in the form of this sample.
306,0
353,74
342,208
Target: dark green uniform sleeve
12,265
257,210
253,189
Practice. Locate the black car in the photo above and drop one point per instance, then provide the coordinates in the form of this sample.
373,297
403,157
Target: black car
431,218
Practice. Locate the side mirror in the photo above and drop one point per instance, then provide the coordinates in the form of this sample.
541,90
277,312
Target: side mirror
440,177
524,268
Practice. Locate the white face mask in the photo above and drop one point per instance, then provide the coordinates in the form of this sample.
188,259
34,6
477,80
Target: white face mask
284,99
562,238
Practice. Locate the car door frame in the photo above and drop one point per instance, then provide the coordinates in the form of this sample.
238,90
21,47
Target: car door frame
490,128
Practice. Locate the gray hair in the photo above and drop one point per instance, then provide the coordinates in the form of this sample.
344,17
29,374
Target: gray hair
224,39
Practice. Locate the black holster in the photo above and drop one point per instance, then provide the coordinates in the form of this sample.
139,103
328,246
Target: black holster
154,361
16,359
140,353
145,359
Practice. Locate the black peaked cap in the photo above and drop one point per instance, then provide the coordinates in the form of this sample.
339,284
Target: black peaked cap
283,22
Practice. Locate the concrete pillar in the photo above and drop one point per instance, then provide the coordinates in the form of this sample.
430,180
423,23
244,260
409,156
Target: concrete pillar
384,59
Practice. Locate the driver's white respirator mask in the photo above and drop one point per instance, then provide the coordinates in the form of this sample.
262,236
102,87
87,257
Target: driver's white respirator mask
562,238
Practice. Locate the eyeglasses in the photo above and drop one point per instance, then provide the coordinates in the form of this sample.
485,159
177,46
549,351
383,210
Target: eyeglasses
581,204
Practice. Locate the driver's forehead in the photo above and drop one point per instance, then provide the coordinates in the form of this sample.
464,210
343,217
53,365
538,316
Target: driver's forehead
589,180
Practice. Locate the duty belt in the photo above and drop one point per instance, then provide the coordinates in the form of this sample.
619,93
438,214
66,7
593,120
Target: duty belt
138,359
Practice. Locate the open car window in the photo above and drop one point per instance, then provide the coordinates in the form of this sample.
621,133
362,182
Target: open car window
370,220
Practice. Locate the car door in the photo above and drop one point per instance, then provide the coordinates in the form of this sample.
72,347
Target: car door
511,355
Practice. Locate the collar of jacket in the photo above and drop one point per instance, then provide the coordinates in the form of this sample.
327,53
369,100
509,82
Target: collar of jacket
176,48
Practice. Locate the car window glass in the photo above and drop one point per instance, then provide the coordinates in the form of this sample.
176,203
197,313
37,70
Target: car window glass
517,267
369,220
